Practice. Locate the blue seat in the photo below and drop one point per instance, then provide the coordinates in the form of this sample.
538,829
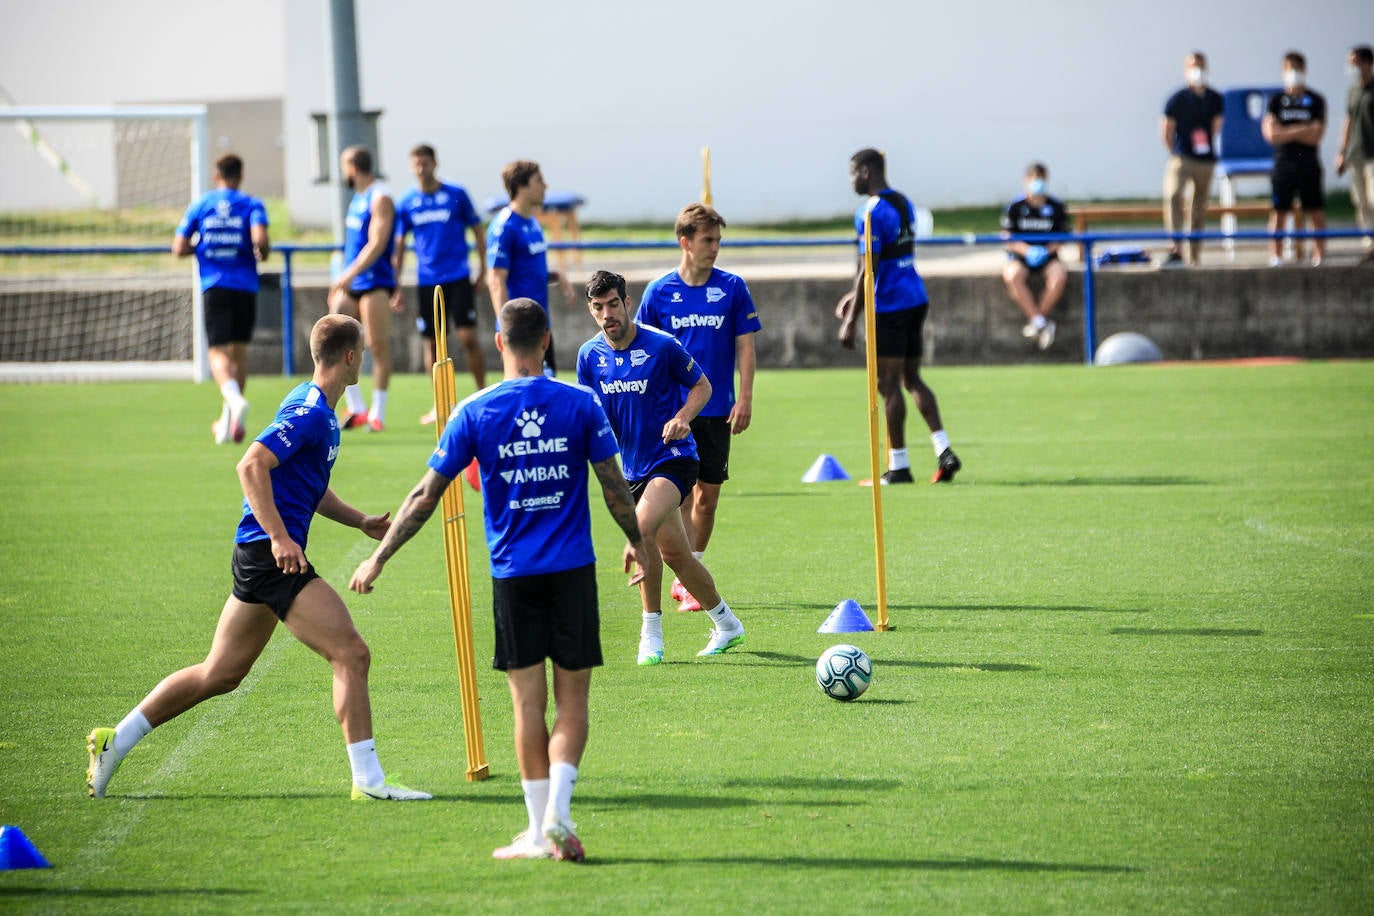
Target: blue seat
1241,149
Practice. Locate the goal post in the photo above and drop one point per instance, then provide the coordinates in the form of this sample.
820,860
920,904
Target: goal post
89,198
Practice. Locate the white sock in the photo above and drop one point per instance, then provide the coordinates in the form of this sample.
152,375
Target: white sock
652,625
939,439
698,553
562,778
897,459
367,769
536,803
354,396
224,413
378,406
233,394
724,618
129,732
1038,322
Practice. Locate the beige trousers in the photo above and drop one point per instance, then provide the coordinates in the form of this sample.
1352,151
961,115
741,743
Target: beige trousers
1362,194
1179,175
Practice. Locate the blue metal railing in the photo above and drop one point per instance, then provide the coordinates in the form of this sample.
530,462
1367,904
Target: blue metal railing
1087,240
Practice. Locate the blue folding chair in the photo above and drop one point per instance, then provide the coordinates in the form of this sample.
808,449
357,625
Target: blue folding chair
1242,150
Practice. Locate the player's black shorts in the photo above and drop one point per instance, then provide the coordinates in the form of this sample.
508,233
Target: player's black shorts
359,293
1300,180
258,579
229,315
713,448
680,472
551,615
459,305
899,333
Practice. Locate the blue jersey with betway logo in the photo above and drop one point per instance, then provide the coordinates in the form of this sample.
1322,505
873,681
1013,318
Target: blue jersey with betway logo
440,222
532,438
305,438
707,319
640,389
516,245
224,219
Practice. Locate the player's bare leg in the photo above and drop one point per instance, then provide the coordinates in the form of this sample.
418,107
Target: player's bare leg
1015,276
529,694
476,363
1056,278
229,369
699,514
947,464
320,620
374,308
567,741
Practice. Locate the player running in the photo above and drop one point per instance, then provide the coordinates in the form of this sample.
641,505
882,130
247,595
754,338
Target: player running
533,437
440,214
712,313
639,373
285,479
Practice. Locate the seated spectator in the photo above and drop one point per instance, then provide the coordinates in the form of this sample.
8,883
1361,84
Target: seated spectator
1294,125
1035,213
1192,122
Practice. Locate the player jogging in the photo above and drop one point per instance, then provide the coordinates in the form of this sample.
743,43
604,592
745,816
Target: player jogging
285,479
639,373
363,289
230,232
517,255
900,307
439,214
533,437
712,313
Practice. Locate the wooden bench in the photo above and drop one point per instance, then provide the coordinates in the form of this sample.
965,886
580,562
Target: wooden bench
1083,214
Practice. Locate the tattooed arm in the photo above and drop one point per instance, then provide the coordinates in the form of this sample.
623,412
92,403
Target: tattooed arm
622,507
410,518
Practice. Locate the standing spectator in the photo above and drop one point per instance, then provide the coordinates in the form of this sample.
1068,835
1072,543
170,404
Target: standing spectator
1357,140
1192,122
517,255
1036,213
1294,126
231,237
440,214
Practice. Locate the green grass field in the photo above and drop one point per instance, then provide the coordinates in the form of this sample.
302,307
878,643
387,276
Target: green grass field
1132,668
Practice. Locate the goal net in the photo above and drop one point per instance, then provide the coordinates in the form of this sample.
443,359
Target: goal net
89,199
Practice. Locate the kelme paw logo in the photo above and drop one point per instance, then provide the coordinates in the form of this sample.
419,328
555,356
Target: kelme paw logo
530,424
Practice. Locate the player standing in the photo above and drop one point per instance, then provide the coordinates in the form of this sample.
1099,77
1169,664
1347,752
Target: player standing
440,214
639,374
363,289
900,307
231,237
285,479
711,312
533,438
517,255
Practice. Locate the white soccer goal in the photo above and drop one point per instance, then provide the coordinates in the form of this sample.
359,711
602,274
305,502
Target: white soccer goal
89,198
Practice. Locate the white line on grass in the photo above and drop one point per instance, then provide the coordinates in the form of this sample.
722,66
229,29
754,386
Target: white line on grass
116,829
1285,534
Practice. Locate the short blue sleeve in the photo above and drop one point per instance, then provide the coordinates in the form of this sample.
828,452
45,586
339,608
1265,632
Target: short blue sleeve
257,216
456,447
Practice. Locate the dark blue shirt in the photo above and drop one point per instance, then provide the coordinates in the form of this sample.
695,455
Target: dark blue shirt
897,285
1192,115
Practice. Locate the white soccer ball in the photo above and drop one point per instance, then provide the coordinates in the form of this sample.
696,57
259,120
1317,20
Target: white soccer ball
843,672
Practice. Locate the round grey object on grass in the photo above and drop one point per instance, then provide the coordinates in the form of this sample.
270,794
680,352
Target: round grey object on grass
1126,347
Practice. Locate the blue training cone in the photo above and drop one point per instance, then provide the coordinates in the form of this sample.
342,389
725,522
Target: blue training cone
16,851
847,617
824,468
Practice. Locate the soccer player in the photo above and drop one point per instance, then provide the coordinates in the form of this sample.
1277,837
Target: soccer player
1036,212
363,288
285,480
533,437
639,374
713,315
440,214
517,255
900,306
230,230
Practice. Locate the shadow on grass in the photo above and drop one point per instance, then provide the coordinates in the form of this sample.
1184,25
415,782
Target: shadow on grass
814,783
1049,608
851,863
657,801
112,894
1182,631
970,666
1142,481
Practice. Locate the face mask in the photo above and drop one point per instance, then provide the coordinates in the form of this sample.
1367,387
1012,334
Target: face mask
1292,79
1037,187
1196,76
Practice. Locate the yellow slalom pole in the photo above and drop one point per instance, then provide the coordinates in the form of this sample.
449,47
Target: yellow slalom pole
871,355
456,559
706,175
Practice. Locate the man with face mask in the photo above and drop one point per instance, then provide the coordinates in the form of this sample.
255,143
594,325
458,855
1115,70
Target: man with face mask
1357,140
1035,214
1192,122
1294,124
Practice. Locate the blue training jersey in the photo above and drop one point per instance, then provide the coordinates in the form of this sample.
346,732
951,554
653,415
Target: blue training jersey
440,222
640,389
358,225
532,438
897,285
707,319
516,245
224,219
305,438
